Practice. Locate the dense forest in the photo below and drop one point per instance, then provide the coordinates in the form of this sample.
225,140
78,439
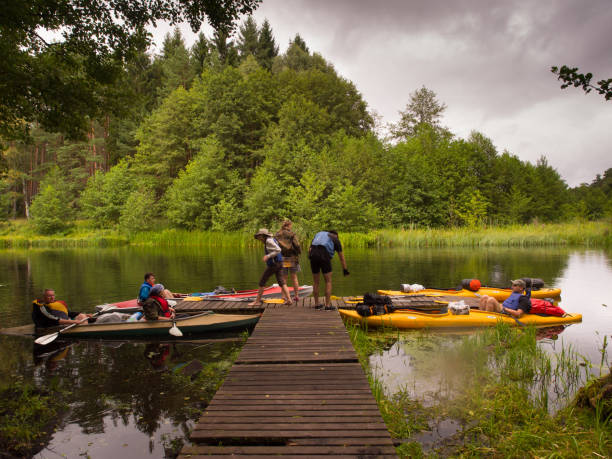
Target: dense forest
230,134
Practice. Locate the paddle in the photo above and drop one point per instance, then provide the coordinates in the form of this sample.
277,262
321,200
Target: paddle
174,330
46,339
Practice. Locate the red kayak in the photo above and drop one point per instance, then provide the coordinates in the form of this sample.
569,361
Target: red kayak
271,292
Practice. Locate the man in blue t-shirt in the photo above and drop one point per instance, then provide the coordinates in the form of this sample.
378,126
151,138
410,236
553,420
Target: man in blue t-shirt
320,253
145,288
515,305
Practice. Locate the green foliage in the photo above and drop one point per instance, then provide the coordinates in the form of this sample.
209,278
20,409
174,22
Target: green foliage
138,212
422,110
205,188
49,212
570,77
105,195
25,415
61,83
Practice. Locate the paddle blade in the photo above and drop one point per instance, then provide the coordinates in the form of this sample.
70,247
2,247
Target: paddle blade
46,339
175,331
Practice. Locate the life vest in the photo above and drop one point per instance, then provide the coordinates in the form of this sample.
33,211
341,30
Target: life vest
512,301
58,308
323,238
143,293
277,259
165,308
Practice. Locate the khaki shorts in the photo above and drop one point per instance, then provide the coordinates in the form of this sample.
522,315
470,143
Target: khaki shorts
291,265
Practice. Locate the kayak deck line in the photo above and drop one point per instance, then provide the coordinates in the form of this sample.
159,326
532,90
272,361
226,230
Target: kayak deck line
296,388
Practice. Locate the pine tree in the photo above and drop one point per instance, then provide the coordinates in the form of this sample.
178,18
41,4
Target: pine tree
200,54
267,49
226,50
175,63
248,38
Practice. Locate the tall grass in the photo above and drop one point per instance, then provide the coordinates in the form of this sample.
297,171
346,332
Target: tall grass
16,234
535,235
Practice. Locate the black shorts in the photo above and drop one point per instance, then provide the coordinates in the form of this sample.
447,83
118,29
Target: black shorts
320,260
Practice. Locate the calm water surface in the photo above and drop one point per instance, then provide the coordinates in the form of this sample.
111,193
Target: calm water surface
117,410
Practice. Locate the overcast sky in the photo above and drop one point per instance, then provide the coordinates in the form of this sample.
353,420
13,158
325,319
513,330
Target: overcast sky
488,61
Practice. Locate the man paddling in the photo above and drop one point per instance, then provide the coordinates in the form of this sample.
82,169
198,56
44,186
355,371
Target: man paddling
49,312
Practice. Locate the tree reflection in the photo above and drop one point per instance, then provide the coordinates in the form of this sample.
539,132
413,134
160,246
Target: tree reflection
143,382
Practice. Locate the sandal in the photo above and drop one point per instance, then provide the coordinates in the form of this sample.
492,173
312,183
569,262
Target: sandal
318,306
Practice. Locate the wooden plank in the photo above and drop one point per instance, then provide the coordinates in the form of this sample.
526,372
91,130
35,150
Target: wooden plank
271,405
300,450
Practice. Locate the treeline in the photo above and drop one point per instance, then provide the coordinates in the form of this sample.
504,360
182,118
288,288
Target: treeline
230,134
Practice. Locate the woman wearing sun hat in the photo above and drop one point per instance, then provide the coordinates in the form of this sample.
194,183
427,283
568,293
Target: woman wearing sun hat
274,265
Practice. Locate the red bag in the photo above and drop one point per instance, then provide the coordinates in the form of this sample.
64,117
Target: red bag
545,307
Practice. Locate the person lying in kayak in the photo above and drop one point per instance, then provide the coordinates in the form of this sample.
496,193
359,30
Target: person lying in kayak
49,312
145,290
515,305
156,307
274,265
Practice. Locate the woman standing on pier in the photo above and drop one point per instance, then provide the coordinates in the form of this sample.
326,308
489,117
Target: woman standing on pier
290,249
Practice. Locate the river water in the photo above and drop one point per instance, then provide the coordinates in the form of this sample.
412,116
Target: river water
123,412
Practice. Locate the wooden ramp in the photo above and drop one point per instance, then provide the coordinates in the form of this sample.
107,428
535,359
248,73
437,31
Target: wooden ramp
296,390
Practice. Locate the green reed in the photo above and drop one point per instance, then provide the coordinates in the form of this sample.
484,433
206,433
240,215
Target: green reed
532,235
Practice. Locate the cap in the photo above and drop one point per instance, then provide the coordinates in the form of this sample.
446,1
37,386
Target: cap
519,282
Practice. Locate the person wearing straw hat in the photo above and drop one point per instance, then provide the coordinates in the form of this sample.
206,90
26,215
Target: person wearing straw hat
274,265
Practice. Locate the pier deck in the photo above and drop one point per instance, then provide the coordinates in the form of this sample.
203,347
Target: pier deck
296,390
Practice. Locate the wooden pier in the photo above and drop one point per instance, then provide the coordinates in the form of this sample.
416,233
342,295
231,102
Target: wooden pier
296,390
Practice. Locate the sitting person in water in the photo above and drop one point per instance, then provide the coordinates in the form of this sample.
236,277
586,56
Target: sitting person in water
515,305
145,289
49,312
156,307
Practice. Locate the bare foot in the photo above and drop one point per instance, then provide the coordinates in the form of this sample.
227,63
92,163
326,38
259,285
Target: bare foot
255,303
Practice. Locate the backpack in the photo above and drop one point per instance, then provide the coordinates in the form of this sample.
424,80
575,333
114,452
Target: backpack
288,244
545,307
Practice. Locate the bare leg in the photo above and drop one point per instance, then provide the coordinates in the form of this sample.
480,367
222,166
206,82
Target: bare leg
286,294
257,301
296,286
328,288
315,287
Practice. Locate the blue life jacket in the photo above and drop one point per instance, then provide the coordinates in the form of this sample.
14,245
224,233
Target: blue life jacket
144,291
512,302
277,259
323,238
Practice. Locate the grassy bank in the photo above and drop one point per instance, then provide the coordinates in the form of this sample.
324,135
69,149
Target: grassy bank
16,234
498,383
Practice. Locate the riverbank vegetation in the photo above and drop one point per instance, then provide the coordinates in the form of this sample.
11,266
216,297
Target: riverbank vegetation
231,135
20,233
507,396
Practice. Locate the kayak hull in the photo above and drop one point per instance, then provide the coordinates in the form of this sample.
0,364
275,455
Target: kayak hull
272,292
417,320
206,322
499,294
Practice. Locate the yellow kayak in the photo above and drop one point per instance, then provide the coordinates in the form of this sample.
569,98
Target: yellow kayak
499,294
476,318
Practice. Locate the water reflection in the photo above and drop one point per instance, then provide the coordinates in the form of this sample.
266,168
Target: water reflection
417,364
126,399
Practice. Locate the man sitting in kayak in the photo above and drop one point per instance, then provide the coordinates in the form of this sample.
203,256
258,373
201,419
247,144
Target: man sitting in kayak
145,290
156,307
515,305
48,312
